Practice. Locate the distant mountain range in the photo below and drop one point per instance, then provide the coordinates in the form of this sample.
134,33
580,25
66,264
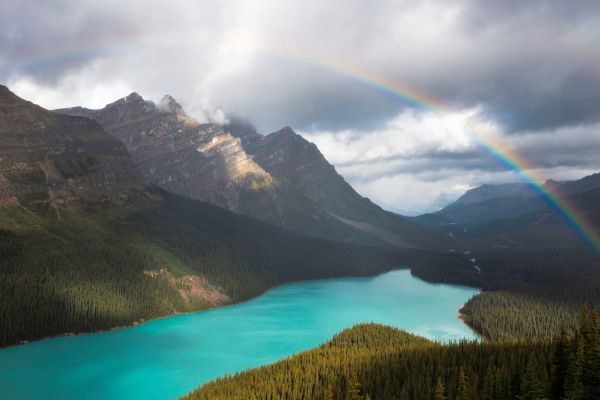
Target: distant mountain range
279,178
515,215
87,244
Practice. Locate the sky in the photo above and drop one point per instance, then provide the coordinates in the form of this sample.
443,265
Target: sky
526,71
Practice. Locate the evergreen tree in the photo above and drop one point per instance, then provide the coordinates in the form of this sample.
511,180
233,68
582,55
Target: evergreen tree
531,385
504,384
353,387
440,390
489,384
574,389
328,393
591,357
462,392
560,363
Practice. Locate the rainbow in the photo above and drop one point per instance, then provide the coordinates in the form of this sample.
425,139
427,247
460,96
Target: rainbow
505,155
552,196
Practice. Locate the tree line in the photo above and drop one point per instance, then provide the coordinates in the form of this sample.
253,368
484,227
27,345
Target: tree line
376,362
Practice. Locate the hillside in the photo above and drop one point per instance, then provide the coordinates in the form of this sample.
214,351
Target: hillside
382,363
279,178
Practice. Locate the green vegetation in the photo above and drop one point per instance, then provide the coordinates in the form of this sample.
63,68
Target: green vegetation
99,265
525,296
506,315
382,363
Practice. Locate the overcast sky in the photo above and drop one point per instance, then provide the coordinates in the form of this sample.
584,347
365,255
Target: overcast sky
526,71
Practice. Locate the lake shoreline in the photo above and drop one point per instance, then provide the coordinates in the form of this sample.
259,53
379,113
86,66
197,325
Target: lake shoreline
170,357
462,317
233,303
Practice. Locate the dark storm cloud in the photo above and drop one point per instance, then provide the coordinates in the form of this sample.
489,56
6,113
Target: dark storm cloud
48,39
549,69
530,65
482,14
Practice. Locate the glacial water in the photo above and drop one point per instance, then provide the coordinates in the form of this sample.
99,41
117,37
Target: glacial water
166,358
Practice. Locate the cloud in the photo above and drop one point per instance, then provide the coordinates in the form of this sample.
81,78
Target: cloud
419,162
529,69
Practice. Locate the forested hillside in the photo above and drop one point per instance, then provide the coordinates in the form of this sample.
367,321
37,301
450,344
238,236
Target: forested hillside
83,270
526,295
382,363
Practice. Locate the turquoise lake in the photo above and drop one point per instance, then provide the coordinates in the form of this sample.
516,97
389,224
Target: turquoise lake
166,358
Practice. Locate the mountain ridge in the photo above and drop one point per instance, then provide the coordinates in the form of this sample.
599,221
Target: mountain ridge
516,215
280,178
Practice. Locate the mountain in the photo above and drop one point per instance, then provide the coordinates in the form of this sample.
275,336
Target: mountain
489,202
55,159
515,215
86,244
279,178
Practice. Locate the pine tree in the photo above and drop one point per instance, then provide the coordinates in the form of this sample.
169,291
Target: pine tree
591,358
328,393
353,388
489,384
462,392
440,390
531,384
574,389
560,363
404,393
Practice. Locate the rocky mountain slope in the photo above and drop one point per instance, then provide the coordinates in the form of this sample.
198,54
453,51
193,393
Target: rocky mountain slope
56,159
279,178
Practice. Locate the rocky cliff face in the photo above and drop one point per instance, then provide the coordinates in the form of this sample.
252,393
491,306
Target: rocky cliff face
280,178
58,159
290,158
178,153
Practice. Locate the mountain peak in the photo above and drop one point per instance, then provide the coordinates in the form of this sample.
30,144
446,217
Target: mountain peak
19,115
134,96
6,94
285,132
132,103
170,105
